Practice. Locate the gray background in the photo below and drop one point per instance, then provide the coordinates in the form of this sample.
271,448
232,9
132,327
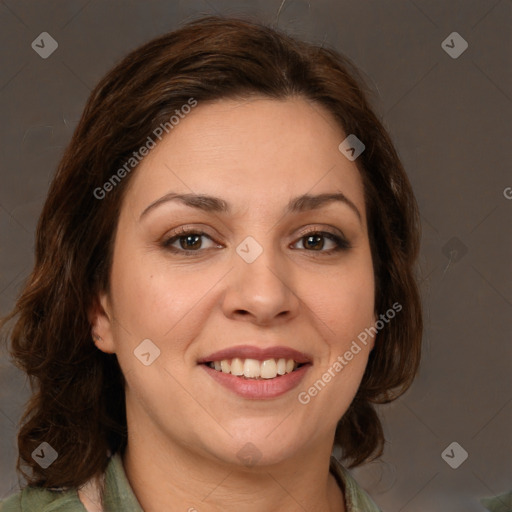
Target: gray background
451,122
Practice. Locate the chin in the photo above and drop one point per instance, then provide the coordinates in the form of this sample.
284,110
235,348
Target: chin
256,449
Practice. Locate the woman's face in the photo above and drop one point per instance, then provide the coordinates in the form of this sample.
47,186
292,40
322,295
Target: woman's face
269,270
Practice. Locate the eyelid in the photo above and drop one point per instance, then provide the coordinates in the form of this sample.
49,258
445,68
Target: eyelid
187,229
329,230
322,229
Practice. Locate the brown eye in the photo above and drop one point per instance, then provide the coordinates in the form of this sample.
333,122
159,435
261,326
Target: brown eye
188,241
316,241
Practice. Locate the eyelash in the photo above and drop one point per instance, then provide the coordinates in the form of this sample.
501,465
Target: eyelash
341,243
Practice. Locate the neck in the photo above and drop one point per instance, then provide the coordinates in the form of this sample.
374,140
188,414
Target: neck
174,476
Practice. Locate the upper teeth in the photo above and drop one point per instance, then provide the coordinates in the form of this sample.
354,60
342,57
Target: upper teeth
253,369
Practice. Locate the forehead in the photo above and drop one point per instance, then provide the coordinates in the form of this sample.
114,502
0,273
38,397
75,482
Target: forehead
257,152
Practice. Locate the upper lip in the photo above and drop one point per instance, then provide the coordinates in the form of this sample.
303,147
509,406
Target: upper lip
258,353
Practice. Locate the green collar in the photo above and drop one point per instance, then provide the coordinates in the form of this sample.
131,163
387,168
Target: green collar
356,499
118,494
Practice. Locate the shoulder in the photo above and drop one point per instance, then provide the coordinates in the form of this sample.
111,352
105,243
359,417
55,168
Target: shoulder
355,497
38,499
112,487
502,503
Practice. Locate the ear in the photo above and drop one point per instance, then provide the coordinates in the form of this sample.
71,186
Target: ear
100,319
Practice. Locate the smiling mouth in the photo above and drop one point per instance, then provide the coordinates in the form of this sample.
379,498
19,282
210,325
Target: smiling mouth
256,370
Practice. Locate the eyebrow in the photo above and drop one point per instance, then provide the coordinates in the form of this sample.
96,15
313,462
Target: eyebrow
299,204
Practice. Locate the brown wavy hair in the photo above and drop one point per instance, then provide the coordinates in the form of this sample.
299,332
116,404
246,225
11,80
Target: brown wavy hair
77,405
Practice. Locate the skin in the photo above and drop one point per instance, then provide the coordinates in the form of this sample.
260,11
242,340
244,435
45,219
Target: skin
185,430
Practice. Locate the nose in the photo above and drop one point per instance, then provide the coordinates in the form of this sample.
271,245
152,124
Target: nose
261,292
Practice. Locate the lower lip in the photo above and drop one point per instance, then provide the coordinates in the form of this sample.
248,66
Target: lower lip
259,388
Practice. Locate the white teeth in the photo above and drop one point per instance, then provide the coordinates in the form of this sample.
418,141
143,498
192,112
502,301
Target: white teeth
237,367
269,369
254,369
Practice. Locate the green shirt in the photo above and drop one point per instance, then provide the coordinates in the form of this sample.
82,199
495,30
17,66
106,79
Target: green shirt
119,496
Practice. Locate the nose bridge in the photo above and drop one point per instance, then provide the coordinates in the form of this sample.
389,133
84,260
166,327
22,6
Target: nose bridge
260,284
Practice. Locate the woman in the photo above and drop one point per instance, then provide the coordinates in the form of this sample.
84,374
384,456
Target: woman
223,288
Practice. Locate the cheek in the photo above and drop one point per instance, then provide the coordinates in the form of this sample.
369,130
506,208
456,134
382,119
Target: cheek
345,303
344,309
154,298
